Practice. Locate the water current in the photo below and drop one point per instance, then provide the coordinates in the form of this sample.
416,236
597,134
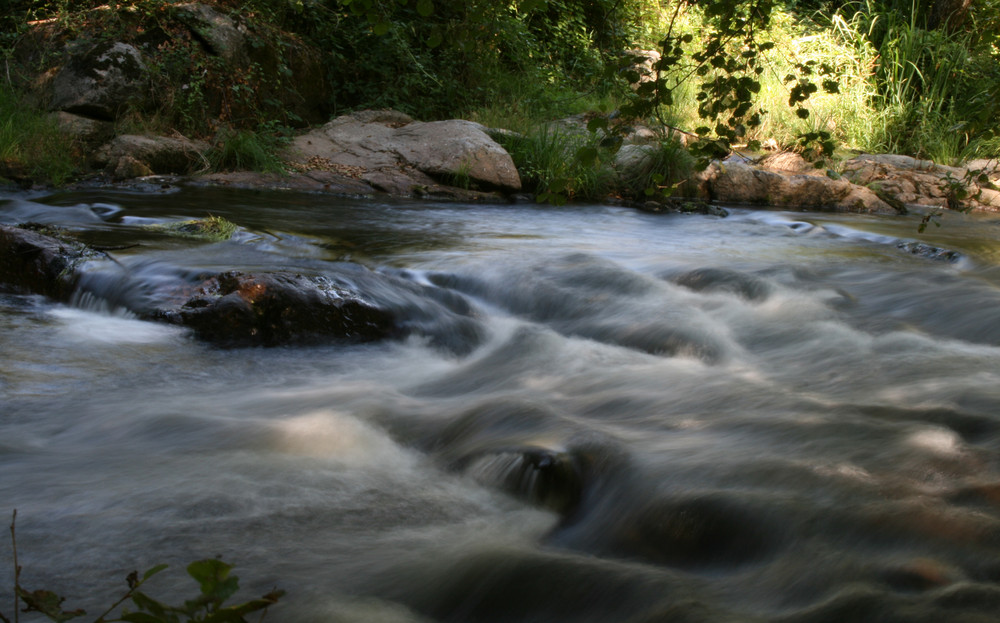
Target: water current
773,417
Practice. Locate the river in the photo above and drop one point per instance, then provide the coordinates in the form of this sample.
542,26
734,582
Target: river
774,416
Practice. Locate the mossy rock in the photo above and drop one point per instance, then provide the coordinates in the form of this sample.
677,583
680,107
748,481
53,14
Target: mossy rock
213,228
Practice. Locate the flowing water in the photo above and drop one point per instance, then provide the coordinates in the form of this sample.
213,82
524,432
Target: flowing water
768,417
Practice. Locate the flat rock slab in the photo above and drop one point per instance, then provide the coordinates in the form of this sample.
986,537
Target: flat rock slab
923,183
739,182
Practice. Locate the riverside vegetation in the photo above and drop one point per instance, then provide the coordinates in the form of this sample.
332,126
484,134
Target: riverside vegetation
215,583
918,77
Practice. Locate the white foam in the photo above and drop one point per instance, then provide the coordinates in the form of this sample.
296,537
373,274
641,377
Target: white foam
87,326
327,434
937,440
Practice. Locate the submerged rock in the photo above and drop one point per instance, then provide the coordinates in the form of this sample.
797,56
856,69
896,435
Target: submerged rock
235,308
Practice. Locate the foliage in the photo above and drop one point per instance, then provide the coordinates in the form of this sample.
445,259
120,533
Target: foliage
214,228
662,168
216,587
559,164
32,149
242,150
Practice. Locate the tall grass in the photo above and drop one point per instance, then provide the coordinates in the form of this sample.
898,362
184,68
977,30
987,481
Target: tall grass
32,148
547,158
928,93
244,150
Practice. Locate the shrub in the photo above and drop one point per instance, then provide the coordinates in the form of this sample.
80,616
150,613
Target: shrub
32,148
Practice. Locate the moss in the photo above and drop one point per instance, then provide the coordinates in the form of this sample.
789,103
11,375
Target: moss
213,228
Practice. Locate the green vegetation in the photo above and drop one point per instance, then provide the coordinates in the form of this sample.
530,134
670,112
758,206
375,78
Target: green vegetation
553,163
919,77
32,149
216,587
242,150
212,228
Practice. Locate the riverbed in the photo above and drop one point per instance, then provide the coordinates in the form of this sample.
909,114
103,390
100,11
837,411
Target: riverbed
773,416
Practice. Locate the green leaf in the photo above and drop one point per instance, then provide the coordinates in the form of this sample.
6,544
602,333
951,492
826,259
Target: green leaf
597,123
587,155
143,617
425,7
435,39
48,604
380,28
802,113
153,571
213,576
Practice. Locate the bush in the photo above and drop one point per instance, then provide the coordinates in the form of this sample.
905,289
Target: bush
32,148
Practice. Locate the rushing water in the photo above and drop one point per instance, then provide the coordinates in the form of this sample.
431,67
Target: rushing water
768,417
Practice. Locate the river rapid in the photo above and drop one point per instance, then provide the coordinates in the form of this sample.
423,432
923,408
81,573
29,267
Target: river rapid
773,417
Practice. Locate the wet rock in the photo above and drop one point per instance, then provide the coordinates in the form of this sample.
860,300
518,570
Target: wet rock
724,280
132,155
928,251
33,261
100,82
541,476
240,309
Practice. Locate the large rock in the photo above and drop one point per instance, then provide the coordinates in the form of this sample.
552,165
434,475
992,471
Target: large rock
31,261
347,302
100,82
132,155
401,156
277,308
88,132
923,183
217,32
740,182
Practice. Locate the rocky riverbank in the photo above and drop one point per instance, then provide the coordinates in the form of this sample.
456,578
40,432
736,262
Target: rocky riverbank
94,84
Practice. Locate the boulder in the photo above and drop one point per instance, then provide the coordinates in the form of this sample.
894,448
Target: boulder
267,309
90,133
32,261
131,155
457,148
99,82
401,156
217,32
740,182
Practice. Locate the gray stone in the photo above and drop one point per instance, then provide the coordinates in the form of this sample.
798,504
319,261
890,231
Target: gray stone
86,131
100,82
216,31
397,154
130,154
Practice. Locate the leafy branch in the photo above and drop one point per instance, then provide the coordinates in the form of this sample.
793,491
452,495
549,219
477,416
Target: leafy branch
213,577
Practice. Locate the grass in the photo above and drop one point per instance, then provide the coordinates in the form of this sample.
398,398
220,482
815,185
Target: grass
244,150
211,228
32,148
558,163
